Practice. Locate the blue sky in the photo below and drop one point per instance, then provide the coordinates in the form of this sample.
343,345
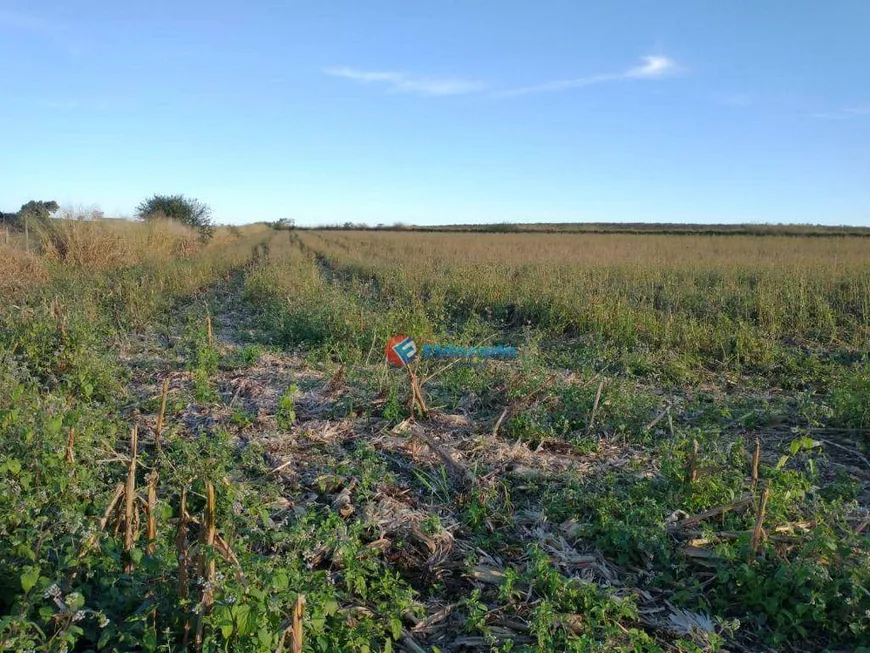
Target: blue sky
442,112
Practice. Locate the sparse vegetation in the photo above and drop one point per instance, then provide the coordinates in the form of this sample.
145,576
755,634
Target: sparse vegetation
678,459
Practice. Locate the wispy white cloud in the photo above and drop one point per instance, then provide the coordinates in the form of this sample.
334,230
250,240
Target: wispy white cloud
405,83
651,67
559,85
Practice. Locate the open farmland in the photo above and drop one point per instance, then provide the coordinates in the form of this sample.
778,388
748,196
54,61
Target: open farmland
194,437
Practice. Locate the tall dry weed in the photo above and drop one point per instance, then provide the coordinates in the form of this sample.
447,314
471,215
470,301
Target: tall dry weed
161,239
82,240
20,271
83,243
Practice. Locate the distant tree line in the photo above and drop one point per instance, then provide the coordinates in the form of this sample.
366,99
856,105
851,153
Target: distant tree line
675,229
662,228
361,226
187,211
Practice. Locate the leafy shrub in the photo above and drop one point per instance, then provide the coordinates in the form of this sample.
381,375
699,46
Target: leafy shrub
32,214
821,590
60,348
187,211
850,399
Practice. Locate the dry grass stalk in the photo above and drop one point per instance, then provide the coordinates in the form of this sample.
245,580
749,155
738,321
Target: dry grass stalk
277,469
150,509
595,406
416,394
130,496
785,531
693,551
500,419
136,524
459,470
434,618
181,548
756,457
280,647
207,534
658,418
107,515
524,401
220,545
410,643
692,464
296,642
159,432
738,504
758,531
294,628
119,521
208,329
337,380
70,447
59,314
227,554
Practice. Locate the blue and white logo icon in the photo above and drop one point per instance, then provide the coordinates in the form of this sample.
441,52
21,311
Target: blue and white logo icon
405,350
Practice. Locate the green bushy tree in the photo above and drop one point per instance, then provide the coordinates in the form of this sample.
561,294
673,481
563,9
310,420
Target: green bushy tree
33,212
39,209
185,210
286,224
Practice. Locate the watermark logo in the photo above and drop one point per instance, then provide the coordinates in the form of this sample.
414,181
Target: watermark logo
401,350
452,351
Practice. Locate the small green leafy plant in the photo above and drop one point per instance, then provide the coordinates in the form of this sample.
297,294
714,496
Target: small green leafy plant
286,411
